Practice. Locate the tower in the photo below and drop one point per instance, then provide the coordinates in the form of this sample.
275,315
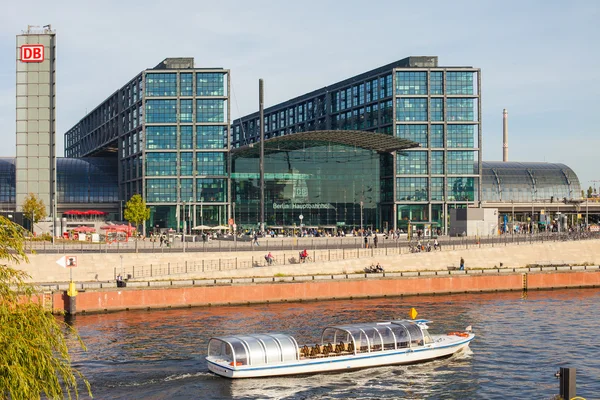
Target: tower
35,116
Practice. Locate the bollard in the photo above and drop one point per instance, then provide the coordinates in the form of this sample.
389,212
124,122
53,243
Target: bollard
567,383
71,308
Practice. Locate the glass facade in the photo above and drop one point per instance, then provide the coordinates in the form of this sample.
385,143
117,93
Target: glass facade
7,183
326,184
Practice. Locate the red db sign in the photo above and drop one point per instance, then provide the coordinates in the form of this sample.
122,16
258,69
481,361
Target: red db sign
32,53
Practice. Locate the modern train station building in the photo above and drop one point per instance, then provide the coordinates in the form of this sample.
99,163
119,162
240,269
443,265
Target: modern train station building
397,145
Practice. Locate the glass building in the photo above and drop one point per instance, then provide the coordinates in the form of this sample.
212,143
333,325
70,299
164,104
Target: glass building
414,99
168,130
322,179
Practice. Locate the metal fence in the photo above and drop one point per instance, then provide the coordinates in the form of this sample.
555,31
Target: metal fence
296,244
336,254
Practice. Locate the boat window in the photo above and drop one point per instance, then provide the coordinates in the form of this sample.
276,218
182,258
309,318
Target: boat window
388,337
289,347
256,347
416,335
427,337
220,349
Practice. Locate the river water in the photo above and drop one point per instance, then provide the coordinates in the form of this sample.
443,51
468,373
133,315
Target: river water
521,342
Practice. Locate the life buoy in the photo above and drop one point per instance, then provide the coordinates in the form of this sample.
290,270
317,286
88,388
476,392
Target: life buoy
460,334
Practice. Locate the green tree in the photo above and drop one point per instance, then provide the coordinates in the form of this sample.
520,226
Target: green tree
136,211
35,359
34,209
590,191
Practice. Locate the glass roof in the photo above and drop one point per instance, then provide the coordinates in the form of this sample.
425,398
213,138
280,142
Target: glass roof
528,181
367,140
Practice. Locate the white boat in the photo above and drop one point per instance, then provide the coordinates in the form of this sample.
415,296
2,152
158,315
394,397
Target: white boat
342,348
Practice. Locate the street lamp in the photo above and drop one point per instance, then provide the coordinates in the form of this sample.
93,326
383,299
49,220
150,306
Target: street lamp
361,214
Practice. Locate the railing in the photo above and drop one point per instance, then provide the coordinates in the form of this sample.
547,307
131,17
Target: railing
337,254
294,244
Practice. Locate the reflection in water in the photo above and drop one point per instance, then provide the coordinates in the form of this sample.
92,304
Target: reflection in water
520,343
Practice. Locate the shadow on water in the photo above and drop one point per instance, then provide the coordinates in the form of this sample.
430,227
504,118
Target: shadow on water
519,345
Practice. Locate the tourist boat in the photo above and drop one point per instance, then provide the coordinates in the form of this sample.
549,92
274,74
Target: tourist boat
341,348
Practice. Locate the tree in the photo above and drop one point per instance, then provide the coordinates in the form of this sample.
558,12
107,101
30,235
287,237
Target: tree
34,209
590,192
136,211
34,360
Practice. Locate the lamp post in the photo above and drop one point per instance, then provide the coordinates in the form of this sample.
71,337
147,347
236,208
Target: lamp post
512,225
361,215
184,230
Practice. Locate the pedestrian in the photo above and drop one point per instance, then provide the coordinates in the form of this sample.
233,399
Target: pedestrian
462,264
256,239
366,242
375,240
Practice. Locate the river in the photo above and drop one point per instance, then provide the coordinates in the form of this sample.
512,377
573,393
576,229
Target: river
520,343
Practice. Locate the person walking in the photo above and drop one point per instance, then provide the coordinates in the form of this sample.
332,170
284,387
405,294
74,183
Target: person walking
375,240
366,242
256,239
462,264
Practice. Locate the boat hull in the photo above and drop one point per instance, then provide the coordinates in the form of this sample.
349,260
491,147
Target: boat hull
342,363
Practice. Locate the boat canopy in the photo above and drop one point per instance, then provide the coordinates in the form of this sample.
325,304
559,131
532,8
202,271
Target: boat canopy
254,349
375,336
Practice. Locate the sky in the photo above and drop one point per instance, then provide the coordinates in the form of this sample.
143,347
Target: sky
539,59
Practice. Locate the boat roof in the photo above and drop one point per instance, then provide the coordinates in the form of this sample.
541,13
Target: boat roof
403,322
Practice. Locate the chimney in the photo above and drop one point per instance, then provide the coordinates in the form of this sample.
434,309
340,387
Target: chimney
505,135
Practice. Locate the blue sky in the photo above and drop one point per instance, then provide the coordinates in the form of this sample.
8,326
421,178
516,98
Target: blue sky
539,59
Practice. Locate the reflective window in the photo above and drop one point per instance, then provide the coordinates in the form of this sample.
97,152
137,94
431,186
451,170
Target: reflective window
411,162
461,162
411,189
86,180
462,189
210,163
437,136
210,84
161,190
437,189
161,164
211,137
436,83
460,109
161,111
187,136
210,110
211,190
161,137
411,82
417,133
411,213
437,109
459,82
461,136
161,84
7,182
411,109
186,84
187,189
437,162
186,111
186,163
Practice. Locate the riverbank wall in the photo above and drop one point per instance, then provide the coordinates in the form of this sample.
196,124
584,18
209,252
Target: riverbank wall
103,267
155,295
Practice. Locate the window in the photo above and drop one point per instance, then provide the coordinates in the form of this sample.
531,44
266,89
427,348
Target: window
210,137
210,110
186,84
161,164
186,188
437,189
437,109
461,136
436,83
161,190
186,137
210,84
161,137
411,163
459,82
210,163
186,164
461,162
462,189
411,189
461,109
186,111
211,190
161,84
437,136
411,109
437,162
161,111
416,133
411,82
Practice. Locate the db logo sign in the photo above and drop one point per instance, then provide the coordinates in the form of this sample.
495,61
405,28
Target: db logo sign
32,53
